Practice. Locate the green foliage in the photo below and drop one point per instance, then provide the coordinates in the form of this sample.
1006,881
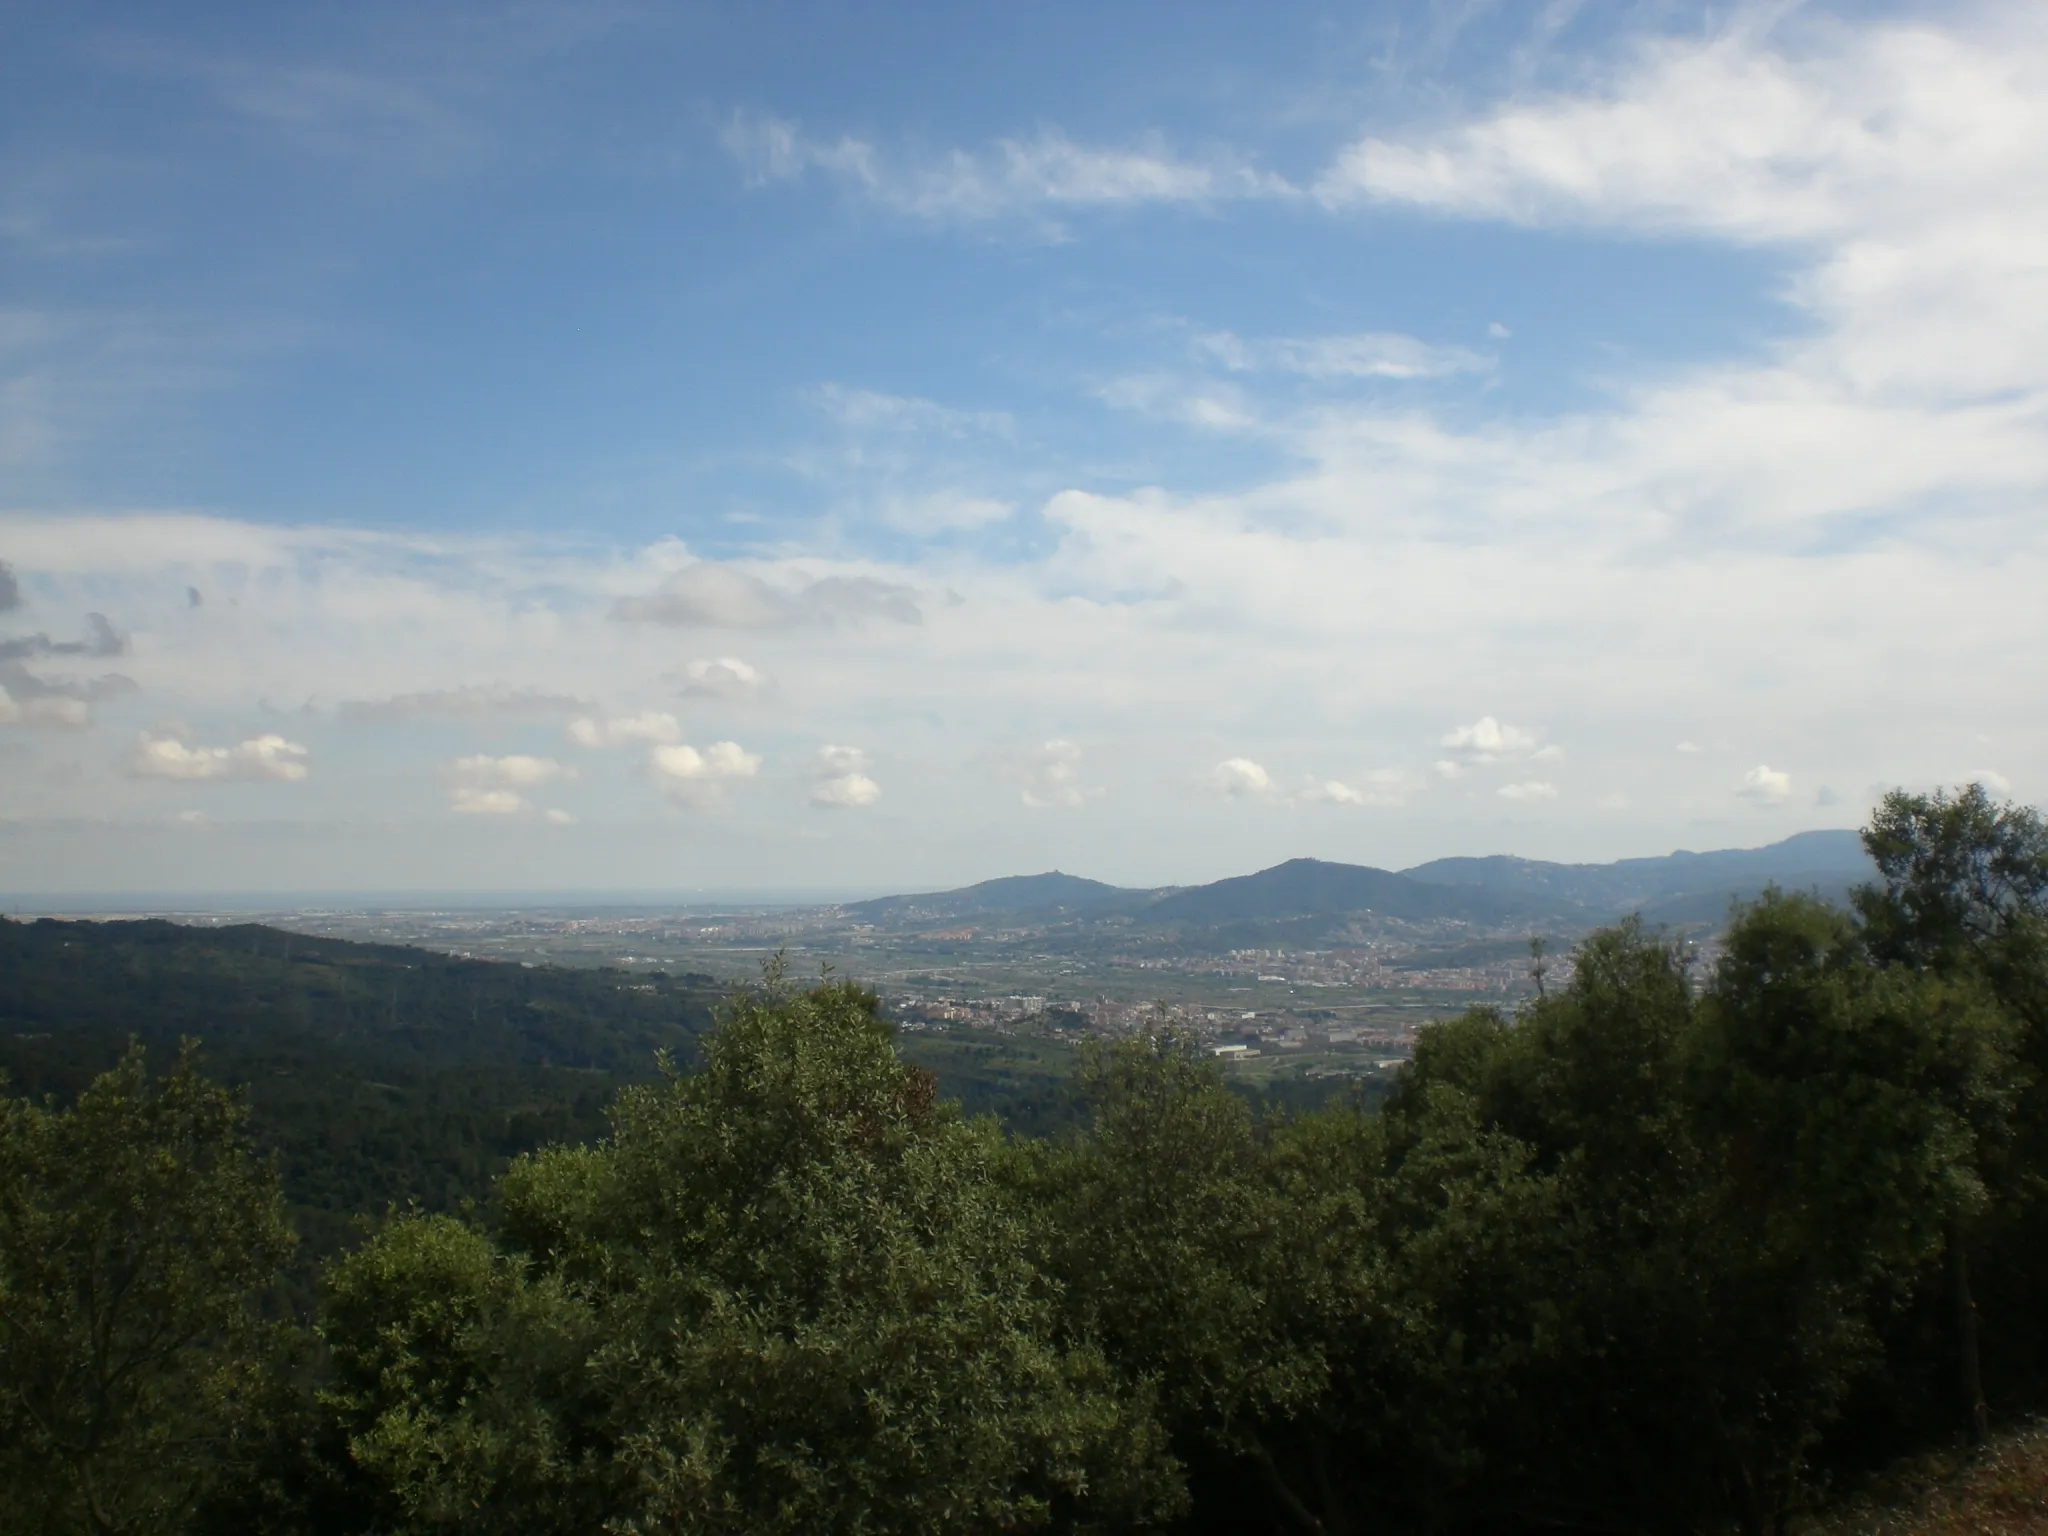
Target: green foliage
791,1292
379,1075
137,1234
1963,879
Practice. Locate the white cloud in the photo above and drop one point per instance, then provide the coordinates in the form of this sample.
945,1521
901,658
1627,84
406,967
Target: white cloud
1904,170
649,725
471,801
841,779
1526,792
692,777
1488,740
1382,786
481,785
559,818
52,710
1052,778
711,595
1046,172
517,770
1687,748
1240,776
1446,768
1731,137
1765,785
724,677
1994,781
1365,355
260,757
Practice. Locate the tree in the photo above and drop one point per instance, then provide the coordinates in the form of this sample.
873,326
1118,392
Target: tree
1963,894
137,1235
1228,1266
1846,1105
791,1292
1963,882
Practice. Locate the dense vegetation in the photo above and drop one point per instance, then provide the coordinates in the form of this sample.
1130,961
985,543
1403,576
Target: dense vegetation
1660,1252
376,1073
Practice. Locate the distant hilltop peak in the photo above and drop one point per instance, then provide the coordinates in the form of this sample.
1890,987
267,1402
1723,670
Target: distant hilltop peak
1012,895
1496,889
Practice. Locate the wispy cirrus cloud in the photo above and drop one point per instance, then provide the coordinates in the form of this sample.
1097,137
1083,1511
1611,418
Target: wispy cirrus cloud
871,410
1045,173
1362,355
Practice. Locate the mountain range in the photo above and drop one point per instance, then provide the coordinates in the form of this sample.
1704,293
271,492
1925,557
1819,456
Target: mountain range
1305,898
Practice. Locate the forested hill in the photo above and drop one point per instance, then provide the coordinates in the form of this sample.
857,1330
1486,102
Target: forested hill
378,1074
253,986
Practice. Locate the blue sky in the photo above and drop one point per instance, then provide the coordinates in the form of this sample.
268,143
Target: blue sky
804,447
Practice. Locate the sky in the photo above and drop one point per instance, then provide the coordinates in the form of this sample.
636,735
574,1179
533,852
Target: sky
806,448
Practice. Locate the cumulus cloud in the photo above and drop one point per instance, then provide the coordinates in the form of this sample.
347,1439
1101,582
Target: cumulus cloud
649,725
482,785
724,677
469,702
1487,740
44,710
1996,782
260,757
1046,172
840,779
1239,777
1382,786
1527,792
697,778
712,595
1052,778
1765,785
